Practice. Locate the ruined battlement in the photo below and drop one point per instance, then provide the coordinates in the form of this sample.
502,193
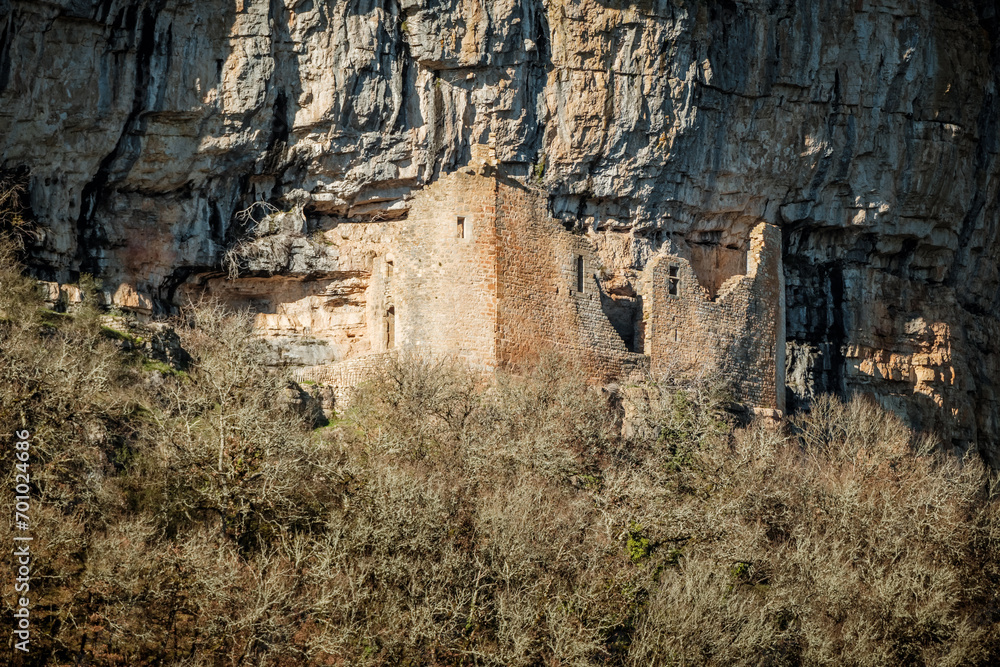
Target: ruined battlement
479,271
486,275
738,333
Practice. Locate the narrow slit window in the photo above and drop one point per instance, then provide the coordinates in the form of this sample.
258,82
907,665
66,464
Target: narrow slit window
673,280
579,273
460,232
388,269
390,328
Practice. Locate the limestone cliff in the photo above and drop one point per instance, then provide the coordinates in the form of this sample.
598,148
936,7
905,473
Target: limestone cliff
865,129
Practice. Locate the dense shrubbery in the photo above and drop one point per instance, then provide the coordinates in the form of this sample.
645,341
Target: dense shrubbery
194,517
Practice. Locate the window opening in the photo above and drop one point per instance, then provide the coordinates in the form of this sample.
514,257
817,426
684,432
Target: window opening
461,228
673,280
390,328
579,273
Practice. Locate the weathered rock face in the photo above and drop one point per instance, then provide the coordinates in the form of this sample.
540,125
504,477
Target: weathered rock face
866,130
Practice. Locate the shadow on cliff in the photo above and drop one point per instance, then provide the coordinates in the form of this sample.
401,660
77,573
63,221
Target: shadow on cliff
821,303
135,26
268,176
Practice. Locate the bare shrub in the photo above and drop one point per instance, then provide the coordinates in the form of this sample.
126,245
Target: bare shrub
192,517
848,544
16,223
264,243
19,299
415,407
236,453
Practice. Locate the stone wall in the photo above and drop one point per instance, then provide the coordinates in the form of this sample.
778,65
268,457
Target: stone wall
478,270
739,334
444,288
714,264
345,375
505,292
541,305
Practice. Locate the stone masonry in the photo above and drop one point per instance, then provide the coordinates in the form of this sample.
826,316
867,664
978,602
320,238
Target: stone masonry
444,290
738,334
549,290
487,276
478,270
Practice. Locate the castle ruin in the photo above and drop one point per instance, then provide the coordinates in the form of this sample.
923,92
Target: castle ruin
477,270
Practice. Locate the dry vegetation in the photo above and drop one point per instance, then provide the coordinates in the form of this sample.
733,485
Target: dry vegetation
17,225
192,517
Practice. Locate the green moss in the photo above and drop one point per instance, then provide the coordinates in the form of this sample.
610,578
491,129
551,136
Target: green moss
540,169
638,545
741,571
151,365
53,317
124,336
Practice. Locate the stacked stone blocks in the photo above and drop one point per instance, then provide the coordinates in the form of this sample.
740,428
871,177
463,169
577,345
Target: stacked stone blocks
482,273
739,335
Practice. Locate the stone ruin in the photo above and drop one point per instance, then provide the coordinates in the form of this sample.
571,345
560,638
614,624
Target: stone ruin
477,270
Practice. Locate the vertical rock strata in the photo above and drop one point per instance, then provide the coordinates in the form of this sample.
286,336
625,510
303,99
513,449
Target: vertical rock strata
865,130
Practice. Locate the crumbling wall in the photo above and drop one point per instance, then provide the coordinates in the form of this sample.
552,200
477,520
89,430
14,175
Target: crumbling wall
541,304
342,377
714,264
739,335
